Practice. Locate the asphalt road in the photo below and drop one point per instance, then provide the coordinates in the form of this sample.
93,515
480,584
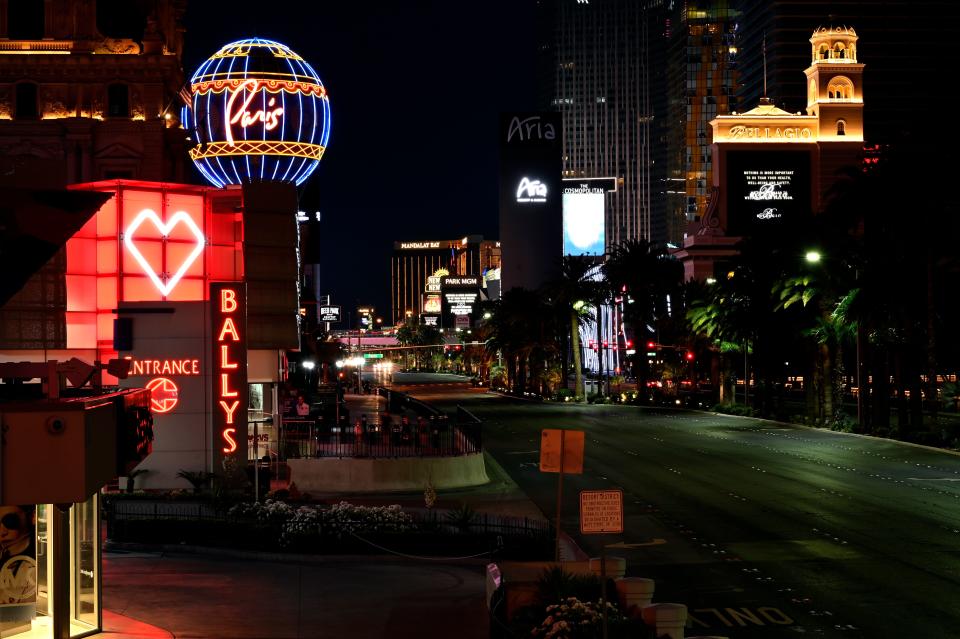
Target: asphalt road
772,530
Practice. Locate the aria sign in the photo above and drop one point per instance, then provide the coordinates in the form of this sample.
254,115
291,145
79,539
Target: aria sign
258,112
531,191
228,303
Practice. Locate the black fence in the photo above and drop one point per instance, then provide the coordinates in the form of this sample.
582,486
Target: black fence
433,437
456,532
413,429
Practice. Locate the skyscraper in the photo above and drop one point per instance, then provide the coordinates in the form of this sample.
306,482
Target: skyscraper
701,82
596,72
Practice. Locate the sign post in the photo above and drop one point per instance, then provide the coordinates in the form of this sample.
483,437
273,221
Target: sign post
561,451
601,512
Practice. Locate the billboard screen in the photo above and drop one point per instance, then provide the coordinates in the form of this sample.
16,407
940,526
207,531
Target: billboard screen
583,215
767,190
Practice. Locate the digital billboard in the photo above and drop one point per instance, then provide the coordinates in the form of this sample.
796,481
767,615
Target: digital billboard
584,214
767,190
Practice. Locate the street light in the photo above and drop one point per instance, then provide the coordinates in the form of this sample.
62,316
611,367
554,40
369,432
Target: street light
812,257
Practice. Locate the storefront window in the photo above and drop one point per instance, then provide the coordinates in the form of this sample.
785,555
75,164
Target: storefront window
28,543
261,430
18,569
85,564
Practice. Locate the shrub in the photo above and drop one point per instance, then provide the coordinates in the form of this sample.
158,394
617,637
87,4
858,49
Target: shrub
576,619
462,517
280,494
556,584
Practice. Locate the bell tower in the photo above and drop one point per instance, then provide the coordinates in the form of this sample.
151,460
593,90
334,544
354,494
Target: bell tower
835,84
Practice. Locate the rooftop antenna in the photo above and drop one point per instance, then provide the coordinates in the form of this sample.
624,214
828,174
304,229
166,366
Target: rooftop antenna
764,65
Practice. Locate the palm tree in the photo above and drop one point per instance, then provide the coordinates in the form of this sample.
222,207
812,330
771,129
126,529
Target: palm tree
569,294
412,333
521,330
648,281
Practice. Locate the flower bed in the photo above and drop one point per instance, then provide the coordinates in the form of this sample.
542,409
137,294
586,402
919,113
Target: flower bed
341,528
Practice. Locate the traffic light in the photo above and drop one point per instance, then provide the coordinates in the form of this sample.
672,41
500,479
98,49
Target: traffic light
651,345
629,343
689,356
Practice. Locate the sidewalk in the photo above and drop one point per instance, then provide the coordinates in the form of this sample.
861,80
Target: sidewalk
198,595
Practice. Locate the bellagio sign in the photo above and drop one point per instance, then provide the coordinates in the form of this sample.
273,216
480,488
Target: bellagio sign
228,301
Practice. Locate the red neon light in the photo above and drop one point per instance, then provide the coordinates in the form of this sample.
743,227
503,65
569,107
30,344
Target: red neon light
165,229
164,367
229,328
164,394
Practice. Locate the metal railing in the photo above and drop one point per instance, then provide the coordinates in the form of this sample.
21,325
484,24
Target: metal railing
434,437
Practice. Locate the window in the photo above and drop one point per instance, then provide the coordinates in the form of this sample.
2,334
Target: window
25,20
118,101
26,101
121,18
840,88
841,127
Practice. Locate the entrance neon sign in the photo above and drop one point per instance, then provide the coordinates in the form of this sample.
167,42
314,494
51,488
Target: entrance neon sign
228,301
148,215
164,367
164,394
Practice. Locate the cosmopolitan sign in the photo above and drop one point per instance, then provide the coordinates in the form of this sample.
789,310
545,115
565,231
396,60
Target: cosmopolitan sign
228,311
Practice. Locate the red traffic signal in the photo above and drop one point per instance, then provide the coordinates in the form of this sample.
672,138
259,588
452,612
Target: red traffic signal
651,345
689,356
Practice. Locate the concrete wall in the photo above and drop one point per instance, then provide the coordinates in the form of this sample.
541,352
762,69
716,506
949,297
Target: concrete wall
374,475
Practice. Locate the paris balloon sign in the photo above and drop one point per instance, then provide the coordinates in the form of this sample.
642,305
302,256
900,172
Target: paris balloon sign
257,112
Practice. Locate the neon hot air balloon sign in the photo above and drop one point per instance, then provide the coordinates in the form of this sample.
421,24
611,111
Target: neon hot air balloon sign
259,112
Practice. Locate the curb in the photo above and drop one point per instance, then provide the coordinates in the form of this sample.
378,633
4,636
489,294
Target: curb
278,557
949,451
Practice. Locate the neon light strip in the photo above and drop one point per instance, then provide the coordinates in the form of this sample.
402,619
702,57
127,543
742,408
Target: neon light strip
273,86
179,216
286,173
226,109
258,147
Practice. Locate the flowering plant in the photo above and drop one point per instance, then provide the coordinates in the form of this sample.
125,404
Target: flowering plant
575,619
344,518
269,512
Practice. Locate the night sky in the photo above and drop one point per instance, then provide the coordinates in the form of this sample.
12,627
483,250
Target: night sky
415,89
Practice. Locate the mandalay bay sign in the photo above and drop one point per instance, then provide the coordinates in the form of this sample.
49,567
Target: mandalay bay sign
257,112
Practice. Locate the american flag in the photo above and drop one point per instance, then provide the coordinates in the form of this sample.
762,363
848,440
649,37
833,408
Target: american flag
186,95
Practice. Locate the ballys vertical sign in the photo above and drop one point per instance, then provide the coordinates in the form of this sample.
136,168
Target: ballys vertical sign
228,301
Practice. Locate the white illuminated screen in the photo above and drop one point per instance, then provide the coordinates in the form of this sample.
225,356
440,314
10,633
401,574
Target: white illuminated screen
583,224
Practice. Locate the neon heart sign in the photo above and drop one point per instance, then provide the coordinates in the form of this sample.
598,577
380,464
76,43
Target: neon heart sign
164,229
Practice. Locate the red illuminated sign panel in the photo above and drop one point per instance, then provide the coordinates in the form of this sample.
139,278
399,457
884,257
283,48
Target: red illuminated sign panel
164,394
228,303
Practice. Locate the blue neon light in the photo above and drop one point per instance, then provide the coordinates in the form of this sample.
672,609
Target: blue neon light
232,91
